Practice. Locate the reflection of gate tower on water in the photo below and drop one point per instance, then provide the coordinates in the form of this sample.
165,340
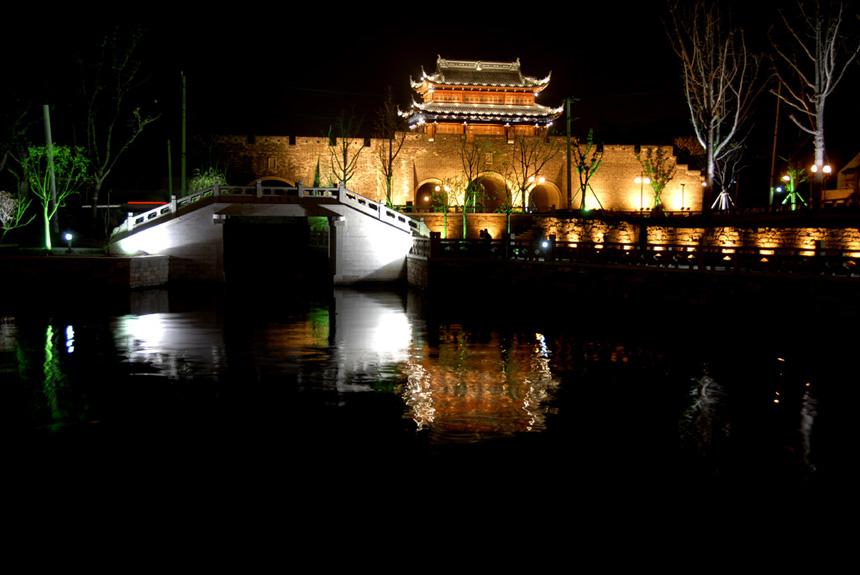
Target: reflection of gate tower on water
465,102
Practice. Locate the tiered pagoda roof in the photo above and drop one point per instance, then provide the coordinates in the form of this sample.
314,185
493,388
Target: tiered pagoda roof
489,94
481,74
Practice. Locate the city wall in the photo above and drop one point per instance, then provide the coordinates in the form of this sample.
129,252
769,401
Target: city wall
422,162
674,232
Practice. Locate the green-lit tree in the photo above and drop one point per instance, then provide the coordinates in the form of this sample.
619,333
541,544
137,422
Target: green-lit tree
586,158
207,178
659,167
509,200
448,193
63,168
793,177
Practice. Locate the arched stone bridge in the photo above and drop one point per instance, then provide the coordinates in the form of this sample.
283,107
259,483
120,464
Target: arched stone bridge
367,242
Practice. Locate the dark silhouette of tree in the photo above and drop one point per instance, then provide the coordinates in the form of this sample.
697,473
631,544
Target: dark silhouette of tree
345,146
112,126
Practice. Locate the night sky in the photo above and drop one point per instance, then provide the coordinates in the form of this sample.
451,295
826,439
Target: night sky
252,71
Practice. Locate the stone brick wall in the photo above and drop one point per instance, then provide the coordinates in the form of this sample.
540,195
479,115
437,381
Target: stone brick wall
294,159
596,230
148,271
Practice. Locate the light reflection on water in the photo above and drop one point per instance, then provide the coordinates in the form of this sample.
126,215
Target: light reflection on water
465,391
455,388
607,396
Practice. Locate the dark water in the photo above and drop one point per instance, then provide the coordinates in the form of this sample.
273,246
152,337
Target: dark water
352,402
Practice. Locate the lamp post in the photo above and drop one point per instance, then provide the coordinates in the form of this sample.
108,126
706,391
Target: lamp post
642,180
68,237
822,180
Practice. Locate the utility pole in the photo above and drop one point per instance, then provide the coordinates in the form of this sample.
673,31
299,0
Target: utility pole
169,173
55,225
567,103
182,165
773,155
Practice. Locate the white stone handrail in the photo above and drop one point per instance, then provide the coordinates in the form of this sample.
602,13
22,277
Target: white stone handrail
258,193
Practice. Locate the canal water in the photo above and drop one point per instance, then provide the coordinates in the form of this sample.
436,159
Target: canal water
342,402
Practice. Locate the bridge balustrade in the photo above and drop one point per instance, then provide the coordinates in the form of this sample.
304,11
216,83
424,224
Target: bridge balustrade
290,195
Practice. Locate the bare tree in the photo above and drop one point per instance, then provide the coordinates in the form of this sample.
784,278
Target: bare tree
529,155
13,210
111,127
810,62
345,146
728,169
719,77
391,132
587,157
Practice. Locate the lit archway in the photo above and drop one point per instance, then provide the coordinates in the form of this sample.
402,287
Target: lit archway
544,197
497,193
426,196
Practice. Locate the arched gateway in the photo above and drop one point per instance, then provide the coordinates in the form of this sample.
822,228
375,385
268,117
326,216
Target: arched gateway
490,103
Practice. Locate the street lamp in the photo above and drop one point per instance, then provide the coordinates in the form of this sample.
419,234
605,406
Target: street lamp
825,171
68,237
641,180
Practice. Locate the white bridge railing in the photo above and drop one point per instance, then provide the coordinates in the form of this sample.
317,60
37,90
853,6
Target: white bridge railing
271,195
